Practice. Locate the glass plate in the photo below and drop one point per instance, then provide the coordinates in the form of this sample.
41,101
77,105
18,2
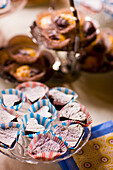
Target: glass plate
20,150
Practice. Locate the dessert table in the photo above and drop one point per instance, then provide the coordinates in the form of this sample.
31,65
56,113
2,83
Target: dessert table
95,90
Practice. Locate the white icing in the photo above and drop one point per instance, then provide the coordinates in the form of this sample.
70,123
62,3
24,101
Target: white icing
60,96
32,125
34,93
73,111
43,111
5,117
9,100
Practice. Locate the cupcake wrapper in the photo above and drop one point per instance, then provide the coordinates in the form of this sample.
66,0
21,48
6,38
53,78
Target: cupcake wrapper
9,125
12,109
67,91
32,84
45,102
4,4
46,156
40,120
66,123
88,117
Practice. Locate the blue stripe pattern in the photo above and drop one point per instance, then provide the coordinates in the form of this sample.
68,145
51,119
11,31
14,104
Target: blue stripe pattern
25,116
16,92
43,121
59,88
33,108
47,125
36,106
66,91
4,127
10,124
31,115
10,91
38,118
3,92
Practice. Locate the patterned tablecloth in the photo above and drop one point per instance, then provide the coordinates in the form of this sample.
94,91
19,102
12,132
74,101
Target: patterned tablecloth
97,154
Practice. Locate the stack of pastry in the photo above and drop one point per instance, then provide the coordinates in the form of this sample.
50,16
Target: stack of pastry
57,29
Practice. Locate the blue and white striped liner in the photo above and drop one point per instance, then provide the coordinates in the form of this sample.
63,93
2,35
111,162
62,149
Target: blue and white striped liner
9,125
12,109
40,120
45,102
4,4
66,123
108,7
67,91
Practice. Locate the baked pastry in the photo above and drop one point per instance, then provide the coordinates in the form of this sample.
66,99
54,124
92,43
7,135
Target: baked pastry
46,147
33,90
59,30
88,33
72,111
92,62
6,117
43,20
63,20
44,111
9,135
71,134
96,57
23,50
33,127
10,99
54,40
58,98
27,73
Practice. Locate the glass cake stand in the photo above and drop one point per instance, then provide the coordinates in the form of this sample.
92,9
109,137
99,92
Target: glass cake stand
11,6
19,152
66,67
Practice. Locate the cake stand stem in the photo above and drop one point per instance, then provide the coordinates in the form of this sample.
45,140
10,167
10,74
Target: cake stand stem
77,37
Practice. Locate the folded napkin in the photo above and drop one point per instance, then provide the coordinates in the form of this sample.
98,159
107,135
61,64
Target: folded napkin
97,154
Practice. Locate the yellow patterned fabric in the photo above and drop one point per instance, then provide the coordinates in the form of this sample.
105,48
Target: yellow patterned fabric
97,154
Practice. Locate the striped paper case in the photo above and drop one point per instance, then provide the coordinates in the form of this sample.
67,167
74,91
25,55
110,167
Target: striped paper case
32,84
46,156
12,109
4,4
66,123
9,125
88,116
67,91
89,119
45,102
108,7
40,120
